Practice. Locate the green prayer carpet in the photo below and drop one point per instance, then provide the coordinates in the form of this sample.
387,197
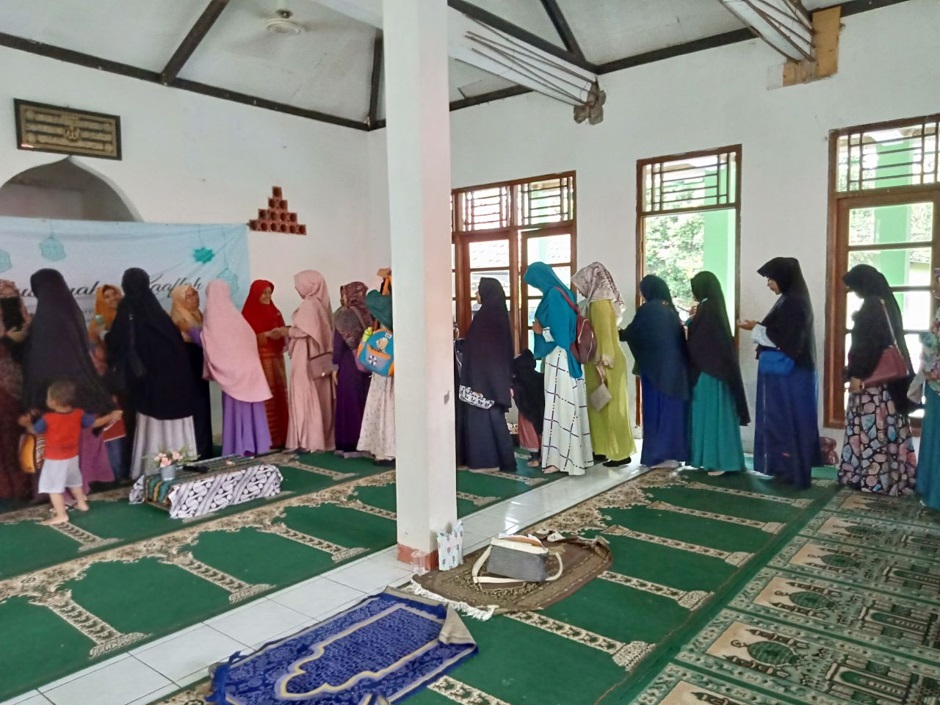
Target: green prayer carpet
124,574
729,590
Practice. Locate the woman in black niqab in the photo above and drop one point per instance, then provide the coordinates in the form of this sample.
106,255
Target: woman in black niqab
149,363
657,340
57,348
485,382
147,352
878,452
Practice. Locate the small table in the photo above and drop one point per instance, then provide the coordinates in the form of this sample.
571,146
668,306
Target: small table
195,494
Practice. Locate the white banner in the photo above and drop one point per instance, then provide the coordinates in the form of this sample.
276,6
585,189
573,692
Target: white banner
91,254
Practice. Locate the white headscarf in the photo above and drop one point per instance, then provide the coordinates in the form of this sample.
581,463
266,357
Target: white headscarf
595,283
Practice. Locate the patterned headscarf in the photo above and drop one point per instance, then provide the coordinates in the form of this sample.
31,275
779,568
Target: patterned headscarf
352,317
596,283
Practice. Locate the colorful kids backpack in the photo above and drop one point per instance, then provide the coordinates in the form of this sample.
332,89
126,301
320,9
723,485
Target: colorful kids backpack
377,352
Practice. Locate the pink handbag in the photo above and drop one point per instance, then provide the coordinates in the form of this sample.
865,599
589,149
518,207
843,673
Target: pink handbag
891,365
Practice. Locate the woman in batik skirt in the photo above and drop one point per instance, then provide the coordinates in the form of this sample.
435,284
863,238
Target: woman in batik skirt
786,437
352,384
566,432
719,406
926,386
378,420
878,453
267,322
611,430
232,361
657,341
485,382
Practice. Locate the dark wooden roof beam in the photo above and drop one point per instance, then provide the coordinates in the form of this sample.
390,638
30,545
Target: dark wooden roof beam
563,28
192,40
378,48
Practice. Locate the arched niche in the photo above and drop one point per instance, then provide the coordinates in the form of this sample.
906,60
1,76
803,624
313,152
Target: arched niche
64,190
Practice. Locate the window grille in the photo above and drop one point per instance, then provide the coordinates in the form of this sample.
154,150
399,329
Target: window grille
688,182
888,155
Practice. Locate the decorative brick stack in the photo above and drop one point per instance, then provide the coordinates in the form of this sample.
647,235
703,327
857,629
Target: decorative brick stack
276,218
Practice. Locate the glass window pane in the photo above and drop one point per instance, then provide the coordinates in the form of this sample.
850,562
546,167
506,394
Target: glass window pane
676,249
901,267
914,305
915,309
888,224
551,249
493,253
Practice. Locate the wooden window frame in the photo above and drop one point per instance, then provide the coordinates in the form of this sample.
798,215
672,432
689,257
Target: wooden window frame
517,235
642,214
840,205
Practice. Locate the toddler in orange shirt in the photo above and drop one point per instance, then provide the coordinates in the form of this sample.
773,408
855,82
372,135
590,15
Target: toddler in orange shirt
62,427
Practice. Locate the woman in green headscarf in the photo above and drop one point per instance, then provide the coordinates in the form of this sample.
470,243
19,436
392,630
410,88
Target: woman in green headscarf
378,418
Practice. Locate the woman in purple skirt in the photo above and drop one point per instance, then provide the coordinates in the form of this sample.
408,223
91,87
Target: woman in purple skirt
352,384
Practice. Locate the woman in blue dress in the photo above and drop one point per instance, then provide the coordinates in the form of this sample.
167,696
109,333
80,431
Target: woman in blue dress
927,386
786,438
719,406
657,340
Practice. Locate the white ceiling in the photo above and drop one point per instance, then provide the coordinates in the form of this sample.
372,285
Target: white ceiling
328,68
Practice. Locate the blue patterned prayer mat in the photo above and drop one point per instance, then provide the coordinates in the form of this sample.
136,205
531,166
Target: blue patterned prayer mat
385,648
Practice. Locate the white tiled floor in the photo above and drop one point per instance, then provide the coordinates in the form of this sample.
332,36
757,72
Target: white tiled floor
154,670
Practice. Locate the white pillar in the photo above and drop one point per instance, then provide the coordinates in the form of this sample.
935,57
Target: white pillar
418,139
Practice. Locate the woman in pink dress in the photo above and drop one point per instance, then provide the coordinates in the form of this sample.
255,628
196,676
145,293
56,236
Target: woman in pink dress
231,354
310,346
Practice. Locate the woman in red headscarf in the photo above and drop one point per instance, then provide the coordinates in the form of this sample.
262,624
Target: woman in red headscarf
268,324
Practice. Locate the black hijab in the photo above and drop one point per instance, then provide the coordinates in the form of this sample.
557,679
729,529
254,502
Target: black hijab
790,322
147,353
711,345
488,348
657,340
871,333
57,348
528,389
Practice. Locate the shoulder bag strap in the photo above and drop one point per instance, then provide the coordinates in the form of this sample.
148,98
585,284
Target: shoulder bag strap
884,307
573,306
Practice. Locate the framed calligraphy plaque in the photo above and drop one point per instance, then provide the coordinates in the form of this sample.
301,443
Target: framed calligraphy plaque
47,128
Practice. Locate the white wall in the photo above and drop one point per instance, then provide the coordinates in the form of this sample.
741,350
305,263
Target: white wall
193,159
888,69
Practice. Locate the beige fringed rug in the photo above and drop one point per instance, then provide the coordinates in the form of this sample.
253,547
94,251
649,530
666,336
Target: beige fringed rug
583,561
